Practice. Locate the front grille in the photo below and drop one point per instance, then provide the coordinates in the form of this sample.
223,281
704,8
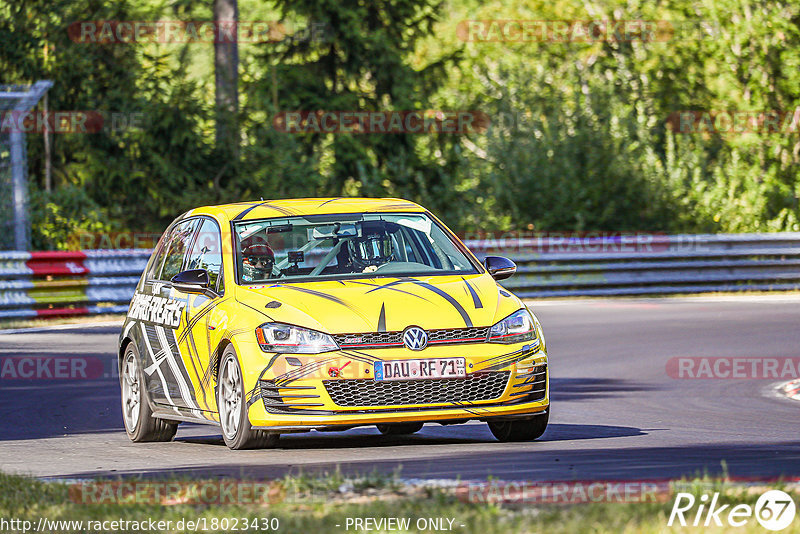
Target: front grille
458,335
442,336
376,339
367,392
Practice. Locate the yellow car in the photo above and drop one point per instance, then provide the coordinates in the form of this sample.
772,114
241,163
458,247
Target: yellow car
284,316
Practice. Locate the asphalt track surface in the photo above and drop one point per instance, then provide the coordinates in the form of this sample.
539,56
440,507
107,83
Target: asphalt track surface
616,413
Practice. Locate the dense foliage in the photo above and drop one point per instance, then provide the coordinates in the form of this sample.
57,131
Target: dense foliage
578,140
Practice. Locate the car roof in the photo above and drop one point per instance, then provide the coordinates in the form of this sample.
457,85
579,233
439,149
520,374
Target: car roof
262,209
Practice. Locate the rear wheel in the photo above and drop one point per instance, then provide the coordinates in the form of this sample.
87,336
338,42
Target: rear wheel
399,429
136,413
520,430
232,404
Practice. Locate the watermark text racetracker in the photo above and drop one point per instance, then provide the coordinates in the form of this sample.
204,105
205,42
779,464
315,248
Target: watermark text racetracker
45,367
428,121
194,31
201,492
720,122
726,368
582,31
735,122
587,242
70,122
513,241
564,492
381,122
82,240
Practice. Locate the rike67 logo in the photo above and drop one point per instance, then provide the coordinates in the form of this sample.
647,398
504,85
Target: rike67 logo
774,510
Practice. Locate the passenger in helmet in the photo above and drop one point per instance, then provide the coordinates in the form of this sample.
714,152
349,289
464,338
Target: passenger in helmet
373,247
258,259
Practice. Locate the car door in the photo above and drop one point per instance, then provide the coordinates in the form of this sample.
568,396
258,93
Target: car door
166,373
205,319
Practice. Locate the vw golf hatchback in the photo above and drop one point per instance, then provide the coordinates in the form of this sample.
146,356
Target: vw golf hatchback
285,316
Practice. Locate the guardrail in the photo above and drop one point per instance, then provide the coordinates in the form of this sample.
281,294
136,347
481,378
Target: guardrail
647,264
46,284
43,284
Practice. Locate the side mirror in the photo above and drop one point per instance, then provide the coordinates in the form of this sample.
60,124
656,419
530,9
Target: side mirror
192,281
500,268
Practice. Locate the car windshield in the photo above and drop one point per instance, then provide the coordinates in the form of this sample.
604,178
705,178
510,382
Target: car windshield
345,246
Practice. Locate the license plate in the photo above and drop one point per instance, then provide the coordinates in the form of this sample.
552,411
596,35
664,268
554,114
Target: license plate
420,369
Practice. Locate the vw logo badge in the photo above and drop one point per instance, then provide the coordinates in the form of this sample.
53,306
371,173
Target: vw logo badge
415,338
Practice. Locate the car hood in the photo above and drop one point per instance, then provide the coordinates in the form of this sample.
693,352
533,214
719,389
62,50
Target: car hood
382,304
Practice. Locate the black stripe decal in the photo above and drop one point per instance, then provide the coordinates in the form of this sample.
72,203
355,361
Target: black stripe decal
245,212
382,319
518,351
190,344
389,286
360,356
172,347
475,299
396,205
284,211
319,294
265,314
270,364
297,374
161,360
499,362
449,298
210,305
463,406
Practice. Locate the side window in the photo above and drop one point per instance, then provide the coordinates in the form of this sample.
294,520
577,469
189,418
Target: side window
206,251
158,261
179,241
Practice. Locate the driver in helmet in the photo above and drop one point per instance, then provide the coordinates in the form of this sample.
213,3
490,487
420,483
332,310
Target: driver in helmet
372,249
258,259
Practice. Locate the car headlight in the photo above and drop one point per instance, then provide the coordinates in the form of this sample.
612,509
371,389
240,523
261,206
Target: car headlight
279,337
515,328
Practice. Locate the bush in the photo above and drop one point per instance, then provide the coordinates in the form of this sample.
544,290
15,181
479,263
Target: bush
58,217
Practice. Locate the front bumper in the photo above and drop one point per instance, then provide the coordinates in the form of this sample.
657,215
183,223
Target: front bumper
298,394
425,416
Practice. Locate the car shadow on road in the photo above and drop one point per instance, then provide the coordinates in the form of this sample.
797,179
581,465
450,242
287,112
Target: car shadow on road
431,435
590,388
92,406
514,461
562,389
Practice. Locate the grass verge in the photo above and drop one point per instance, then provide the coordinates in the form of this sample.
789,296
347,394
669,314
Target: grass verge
333,503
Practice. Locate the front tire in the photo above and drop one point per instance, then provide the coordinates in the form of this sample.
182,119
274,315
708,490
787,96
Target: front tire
399,429
232,403
140,424
520,430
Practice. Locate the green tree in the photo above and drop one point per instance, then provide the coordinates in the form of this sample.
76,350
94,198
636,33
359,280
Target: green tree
358,56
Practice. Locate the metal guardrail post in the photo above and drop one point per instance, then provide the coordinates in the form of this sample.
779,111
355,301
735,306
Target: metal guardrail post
25,101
